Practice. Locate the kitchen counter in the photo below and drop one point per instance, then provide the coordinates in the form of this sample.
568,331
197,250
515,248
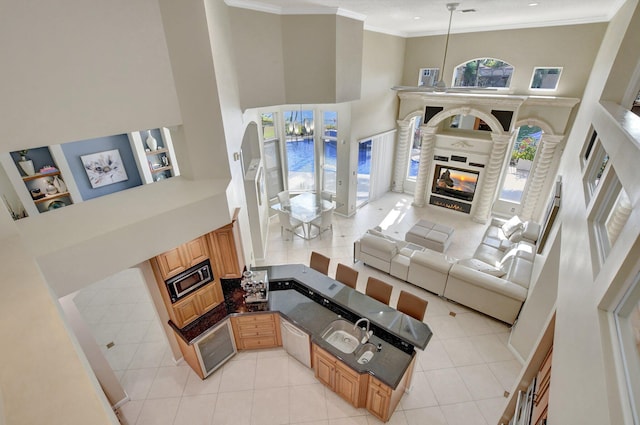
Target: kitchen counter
312,300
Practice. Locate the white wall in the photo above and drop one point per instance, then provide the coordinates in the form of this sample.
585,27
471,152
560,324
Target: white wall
83,70
579,370
572,47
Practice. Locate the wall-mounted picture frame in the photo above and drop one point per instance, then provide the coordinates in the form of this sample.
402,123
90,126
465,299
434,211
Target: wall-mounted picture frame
104,168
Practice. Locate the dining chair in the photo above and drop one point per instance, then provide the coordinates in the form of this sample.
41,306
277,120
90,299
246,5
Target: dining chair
319,262
283,198
347,275
412,305
327,196
324,222
288,223
378,290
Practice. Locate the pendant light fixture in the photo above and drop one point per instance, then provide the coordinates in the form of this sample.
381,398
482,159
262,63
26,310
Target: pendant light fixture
440,86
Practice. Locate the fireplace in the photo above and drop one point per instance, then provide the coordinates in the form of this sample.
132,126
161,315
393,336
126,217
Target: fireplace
454,182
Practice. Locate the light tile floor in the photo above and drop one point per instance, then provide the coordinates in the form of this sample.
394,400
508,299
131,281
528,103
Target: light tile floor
460,378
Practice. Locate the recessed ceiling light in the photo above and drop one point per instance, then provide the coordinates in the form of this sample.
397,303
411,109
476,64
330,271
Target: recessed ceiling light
416,18
533,3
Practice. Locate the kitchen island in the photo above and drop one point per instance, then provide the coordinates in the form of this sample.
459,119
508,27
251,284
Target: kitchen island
311,301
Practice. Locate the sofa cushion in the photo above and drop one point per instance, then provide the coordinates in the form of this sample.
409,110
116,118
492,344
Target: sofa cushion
519,272
483,267
378,247
432,259
491,283
488,254
511,225
531,231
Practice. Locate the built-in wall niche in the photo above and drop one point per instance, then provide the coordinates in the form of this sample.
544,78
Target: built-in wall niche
43,185
154,154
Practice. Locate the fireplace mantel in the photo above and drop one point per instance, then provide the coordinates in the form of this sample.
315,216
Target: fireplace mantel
487,151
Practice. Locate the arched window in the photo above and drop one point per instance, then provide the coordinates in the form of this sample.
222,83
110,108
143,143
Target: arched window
483,72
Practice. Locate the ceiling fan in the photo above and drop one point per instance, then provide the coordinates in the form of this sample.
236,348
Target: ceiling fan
440,86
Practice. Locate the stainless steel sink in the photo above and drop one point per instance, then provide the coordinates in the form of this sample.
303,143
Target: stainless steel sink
343,335
365,353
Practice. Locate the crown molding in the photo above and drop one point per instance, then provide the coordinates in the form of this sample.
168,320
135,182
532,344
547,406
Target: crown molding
514,26
303,10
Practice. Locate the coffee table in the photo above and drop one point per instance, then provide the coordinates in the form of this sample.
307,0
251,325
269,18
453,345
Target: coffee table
428,234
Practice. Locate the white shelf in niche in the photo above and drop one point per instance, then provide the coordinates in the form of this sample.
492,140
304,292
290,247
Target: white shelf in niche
150,163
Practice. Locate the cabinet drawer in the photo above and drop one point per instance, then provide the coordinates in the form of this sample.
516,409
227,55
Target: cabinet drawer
255,319
260,342
379,386
251,333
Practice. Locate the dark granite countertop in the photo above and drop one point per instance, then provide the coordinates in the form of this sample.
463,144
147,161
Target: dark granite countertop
311,300
404,327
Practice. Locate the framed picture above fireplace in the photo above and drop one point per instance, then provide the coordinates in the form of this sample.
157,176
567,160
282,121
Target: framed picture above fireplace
455,182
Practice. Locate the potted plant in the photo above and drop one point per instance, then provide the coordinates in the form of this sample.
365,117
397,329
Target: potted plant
25,163
525,154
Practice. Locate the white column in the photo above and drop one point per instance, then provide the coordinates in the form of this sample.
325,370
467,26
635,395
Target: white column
427,146
491,178
541,173
402,153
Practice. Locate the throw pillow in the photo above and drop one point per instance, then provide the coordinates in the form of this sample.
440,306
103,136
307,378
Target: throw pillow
516,236
483,267
511,225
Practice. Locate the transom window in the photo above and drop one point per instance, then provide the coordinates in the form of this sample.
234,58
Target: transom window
484,72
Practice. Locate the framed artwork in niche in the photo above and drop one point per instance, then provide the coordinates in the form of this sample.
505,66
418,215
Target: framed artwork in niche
104,168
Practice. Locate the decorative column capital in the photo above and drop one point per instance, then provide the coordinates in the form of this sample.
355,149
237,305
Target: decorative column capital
552,139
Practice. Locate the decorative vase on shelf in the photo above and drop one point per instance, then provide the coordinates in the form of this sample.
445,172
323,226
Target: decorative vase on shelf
27,166
59,184
51,189
151,141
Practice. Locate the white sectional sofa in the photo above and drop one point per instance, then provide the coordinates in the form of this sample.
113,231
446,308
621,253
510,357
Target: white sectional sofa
495,281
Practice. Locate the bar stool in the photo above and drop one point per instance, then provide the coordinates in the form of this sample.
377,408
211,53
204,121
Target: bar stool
412,305
378,290
347,275
319,262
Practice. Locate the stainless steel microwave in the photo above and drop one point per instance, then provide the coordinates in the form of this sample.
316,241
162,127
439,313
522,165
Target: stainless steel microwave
188,281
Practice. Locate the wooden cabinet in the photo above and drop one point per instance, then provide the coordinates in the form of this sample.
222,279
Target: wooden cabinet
257,331
182,257
195,305
347,383
532,409
379,399
225,255
541,398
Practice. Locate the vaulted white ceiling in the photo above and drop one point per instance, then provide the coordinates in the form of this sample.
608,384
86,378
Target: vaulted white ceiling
412,18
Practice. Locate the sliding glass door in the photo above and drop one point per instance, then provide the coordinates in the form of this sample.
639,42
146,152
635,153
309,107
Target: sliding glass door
364,172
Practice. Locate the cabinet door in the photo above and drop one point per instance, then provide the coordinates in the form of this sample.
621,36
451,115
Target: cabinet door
378,400
225,254
348,384
171,263
208,297
186,310
196,251
324,369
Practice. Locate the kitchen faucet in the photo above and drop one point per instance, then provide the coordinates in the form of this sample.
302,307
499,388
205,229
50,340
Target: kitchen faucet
368,333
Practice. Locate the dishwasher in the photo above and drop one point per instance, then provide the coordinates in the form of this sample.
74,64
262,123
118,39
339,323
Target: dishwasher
296,342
